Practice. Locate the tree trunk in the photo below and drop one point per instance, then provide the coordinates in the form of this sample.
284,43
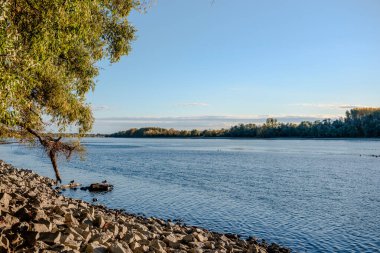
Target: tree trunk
53,159
51,152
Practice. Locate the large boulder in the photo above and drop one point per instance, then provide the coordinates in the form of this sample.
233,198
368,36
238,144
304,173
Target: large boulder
100,187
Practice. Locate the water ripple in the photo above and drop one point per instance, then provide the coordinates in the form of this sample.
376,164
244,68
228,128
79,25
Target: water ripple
310,195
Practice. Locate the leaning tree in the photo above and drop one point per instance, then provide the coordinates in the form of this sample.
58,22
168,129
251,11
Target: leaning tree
48,55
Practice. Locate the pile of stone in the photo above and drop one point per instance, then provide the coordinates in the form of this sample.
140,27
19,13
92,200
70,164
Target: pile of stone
34,217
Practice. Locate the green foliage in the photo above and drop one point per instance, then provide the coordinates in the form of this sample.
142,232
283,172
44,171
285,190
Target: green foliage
48,55
359,122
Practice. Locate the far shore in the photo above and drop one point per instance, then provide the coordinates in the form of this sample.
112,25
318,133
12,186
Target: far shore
248,138
5,141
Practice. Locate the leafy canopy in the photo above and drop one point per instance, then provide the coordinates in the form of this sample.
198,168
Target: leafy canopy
48,55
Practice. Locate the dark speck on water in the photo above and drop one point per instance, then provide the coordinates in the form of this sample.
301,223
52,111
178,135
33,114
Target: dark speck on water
309,195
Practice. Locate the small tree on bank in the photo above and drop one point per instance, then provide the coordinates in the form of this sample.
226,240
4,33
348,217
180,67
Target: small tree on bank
48,55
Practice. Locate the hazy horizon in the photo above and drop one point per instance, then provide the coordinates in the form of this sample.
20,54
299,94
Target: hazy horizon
115,124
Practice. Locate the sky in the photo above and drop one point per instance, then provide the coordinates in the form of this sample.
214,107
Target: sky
215,63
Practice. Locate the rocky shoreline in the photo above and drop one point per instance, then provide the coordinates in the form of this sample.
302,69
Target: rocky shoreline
34,217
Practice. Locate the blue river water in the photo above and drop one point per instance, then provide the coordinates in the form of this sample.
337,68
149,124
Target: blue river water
309,195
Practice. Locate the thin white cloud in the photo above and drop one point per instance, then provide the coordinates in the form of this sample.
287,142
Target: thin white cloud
351,106
194,104
97,108
331,106
216,118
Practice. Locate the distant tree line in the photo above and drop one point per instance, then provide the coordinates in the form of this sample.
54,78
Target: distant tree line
357,123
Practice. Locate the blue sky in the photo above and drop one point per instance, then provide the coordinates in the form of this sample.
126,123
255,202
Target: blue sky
210,64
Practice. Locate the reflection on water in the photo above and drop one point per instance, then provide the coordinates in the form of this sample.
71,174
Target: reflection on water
310,195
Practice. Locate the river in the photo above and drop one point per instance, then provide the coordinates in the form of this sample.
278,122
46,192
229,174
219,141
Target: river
311,195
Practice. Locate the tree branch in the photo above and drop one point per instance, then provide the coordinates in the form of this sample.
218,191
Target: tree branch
36,135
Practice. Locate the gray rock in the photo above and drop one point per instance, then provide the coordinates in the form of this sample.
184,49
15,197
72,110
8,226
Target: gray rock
132,237
67,237
99,221
200,237
158,246
86,235
38,227
50,237
114,229
172,241
118,248
4,200
102,237
134,245
69,218
141,249
209,245
141,235
8,221
122,231
196,250
188,238
58,210
96,248
4,244
196,244
74,245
